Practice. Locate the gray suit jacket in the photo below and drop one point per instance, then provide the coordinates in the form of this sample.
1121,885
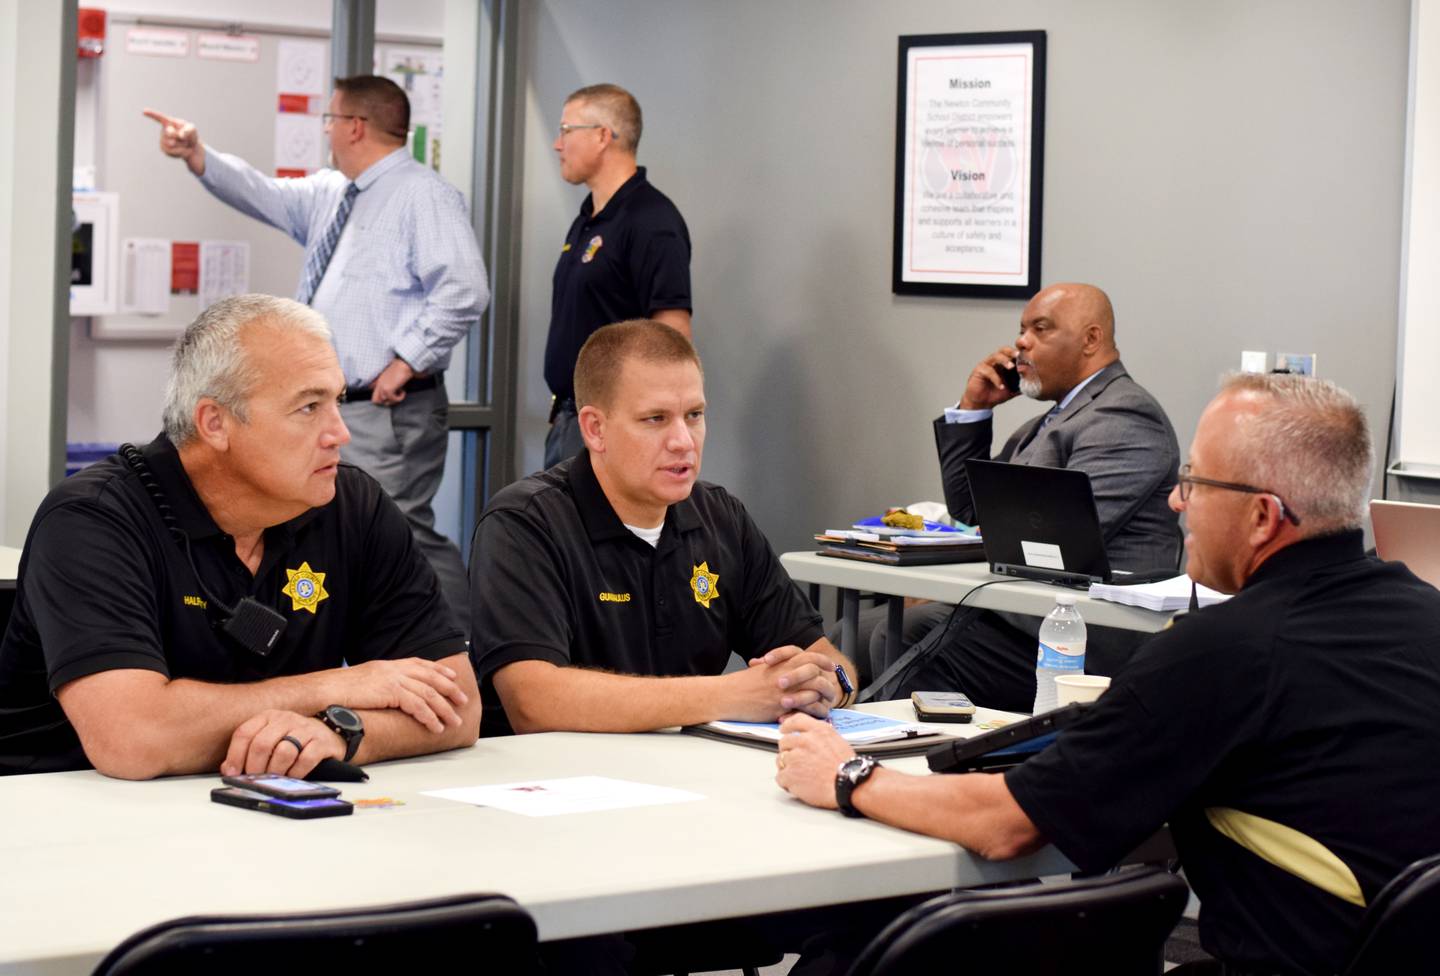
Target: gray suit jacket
1115,432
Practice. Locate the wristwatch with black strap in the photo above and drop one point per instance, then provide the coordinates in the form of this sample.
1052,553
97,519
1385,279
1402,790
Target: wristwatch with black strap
345,723
848,777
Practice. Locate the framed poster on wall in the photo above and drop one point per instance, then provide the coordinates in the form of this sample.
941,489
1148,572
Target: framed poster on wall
969,161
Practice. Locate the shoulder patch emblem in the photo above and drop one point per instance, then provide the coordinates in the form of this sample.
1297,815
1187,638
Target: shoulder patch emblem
305,589
595,244
704,584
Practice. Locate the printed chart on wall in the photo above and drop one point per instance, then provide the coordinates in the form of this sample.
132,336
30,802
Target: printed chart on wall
969,155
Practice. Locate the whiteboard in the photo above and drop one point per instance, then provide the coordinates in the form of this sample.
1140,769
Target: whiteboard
1418,437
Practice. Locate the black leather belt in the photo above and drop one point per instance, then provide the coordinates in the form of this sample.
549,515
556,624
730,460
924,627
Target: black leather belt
355,394
559,406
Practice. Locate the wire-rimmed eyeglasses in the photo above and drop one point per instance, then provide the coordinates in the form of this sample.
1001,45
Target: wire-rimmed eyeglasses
1187,481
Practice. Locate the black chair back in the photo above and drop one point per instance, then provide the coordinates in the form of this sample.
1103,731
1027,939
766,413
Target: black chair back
480,933
1114,924
1398,932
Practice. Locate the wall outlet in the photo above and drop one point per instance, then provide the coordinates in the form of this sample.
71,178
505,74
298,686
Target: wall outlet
1295,362
1252,361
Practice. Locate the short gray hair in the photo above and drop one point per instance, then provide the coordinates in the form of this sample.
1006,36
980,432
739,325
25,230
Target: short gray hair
615,108
1311,446
209,361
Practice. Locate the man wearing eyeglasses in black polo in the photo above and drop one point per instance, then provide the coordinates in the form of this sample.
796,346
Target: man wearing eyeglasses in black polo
626,255
1287,736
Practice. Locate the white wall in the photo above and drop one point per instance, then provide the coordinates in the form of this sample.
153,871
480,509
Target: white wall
1231,172
9,40
33,56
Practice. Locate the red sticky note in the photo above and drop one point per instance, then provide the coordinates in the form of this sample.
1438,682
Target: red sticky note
295,103
184,267
289,174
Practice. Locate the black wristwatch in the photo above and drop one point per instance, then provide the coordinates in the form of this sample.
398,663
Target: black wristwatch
851,774
346,724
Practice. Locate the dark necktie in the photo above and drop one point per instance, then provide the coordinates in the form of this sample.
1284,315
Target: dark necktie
319,259
1044,422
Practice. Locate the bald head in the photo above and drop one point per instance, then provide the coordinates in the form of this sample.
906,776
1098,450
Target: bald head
1067,332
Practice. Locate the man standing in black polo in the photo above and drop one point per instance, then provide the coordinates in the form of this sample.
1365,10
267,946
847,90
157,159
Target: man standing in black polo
627,255
193,605
610,589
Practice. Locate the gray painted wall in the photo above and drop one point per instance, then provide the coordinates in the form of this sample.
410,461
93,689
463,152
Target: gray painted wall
1230,171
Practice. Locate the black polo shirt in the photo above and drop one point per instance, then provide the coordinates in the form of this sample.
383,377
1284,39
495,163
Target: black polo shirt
1310,699
629,261
104,586
555,576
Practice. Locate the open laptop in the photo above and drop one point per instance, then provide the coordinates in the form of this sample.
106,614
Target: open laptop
1040,523
1409,533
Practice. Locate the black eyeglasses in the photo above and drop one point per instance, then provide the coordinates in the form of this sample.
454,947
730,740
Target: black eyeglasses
1188,480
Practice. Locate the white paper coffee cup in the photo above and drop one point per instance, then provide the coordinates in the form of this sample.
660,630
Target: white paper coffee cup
1071,688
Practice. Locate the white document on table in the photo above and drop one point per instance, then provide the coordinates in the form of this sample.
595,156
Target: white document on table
557,797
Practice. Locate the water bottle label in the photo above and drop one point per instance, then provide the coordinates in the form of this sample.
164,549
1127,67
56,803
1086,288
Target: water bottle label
1061,657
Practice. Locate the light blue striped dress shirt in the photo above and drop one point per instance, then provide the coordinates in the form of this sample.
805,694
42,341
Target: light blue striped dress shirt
406,278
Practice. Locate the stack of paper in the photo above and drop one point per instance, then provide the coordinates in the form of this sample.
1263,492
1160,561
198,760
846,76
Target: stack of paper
905,548
1166,595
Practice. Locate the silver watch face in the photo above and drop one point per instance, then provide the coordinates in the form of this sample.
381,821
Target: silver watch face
852,768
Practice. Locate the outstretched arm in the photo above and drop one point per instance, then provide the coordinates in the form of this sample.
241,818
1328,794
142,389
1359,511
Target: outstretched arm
975,810
181,140
138,724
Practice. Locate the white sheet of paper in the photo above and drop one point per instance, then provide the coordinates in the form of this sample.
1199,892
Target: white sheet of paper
299,141
300,67
144,276
224,270
1042,555
557,797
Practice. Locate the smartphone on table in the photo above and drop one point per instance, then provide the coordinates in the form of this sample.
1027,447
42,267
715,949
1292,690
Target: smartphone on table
283,787
308,808
942,706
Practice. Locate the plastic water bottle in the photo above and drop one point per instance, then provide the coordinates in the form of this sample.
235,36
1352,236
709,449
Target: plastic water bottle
1062,650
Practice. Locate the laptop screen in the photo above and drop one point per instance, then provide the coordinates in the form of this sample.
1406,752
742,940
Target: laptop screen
1038,523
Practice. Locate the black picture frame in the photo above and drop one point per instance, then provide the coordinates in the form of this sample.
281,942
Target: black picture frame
1024,282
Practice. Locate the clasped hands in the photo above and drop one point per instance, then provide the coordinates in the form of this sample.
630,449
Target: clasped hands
784,680
286,742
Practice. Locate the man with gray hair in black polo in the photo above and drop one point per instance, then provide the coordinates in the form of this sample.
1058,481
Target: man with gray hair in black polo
192,605
1287,736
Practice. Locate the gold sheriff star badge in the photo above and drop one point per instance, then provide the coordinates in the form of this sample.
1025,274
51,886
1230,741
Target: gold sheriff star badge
305,589
702,584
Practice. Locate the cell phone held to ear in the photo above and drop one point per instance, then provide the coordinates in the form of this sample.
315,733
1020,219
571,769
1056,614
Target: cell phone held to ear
1010,376
312,808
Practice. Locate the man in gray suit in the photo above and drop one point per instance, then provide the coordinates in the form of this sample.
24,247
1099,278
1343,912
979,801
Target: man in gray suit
1103,423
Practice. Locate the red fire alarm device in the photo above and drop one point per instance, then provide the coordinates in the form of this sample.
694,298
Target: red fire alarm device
91,33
